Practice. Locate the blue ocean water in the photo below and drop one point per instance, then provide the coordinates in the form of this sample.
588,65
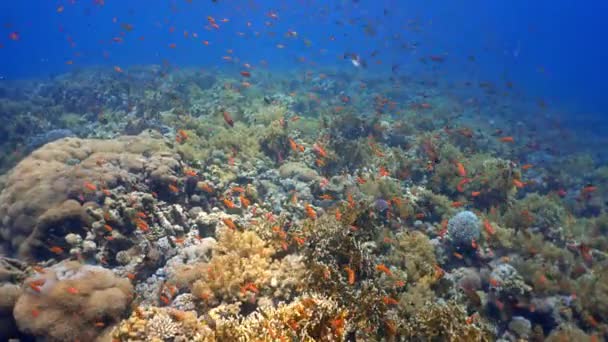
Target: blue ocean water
548,49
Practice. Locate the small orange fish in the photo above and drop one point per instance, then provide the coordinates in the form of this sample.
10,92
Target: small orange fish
90,186
475,193
190,173
518,184
383,172
245,73
174,189
72,290
361,180
458,255
245,203
107,227
310,212
319,150
117,69
249,287
206,188
526,166
228,203
382,268
350,275
338,215
389,301
326,197
320,162
461,170
507,139
229,223
488,227
293,145
142,225
56,249
99,324
238,189
228,119
457,204
36,284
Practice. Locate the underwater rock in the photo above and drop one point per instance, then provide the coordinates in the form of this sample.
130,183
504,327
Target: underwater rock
506,281
521,327
463,228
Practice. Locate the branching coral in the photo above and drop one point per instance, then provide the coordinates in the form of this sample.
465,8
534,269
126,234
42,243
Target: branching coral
162,324
308,318
240,268
72,301
443,322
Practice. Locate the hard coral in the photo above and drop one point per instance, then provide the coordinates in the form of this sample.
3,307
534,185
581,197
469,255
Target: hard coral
464,228
162,324
46,193
241,266
443,322
71,301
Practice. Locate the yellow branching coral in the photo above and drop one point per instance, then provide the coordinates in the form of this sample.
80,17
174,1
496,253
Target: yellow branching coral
444,322
309,318
240,268
414,253
162,324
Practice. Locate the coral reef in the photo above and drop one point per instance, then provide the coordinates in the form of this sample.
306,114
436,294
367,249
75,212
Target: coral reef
46,195
71,301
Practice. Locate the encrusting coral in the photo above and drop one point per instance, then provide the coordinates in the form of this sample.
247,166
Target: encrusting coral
70,301
46,194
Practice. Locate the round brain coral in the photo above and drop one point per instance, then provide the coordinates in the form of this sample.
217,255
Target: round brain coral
46,194
71,301
463,228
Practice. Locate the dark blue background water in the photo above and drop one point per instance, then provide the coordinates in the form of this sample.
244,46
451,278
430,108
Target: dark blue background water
555,50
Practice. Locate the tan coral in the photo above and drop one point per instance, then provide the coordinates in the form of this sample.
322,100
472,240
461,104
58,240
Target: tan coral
71,301
40,191
241,267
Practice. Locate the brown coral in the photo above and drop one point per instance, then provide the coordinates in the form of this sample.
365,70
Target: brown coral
46,193
71,301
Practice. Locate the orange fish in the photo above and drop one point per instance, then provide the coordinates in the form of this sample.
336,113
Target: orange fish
56,249
518,184
142,225
457,204
526,166
190,173
245,74
350,275
174,189
461,170
228,203
117,69
245,203
488,227
206,188
389,301
310,212
228,119
319,150
383,172
475,193
72,290
382,268
90,186
229,223
507,139
293,145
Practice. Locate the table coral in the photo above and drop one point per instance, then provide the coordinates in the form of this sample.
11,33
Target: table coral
46,193
70,301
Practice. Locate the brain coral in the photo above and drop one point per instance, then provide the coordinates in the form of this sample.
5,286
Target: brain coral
463,228
71,301
46,194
